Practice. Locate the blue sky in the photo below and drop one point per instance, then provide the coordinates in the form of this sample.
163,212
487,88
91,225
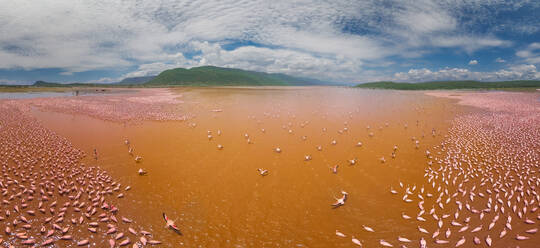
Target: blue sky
344,41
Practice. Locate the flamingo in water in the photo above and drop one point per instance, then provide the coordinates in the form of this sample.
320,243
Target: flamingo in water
263,172
340,201
170,224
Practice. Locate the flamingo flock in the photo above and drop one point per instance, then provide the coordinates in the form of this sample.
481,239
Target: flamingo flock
479,188
50,198
481,185
121,106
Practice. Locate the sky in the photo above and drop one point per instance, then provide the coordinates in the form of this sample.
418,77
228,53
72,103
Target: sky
335,40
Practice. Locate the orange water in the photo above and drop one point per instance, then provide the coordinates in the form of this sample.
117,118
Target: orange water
218,197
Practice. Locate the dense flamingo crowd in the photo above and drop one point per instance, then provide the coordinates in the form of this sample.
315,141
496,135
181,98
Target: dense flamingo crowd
482,180
150,104
50,197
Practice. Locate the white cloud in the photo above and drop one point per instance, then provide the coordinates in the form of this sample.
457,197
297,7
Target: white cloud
518,72
473,62
425,17
90,35
468,43
259,59
104,80
500,60
424,23
531,54
305,37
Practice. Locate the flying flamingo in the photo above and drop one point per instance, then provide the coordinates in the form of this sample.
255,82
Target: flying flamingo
170,224
340,201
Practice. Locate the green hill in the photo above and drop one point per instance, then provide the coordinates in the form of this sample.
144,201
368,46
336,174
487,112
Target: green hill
218,76
450,85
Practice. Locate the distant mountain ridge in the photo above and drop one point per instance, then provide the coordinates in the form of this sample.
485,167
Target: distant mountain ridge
448,85
204,76
136,80
220,76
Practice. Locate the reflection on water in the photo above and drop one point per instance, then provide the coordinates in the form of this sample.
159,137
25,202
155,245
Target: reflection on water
218,195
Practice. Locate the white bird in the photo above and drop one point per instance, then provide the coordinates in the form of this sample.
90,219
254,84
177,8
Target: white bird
263,172
423,243
460,242
367,228
340,201
384,243
334,168
488,240
340,234
402,239
356,241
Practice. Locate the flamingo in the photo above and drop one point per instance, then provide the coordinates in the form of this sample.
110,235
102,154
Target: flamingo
356,241
334,168
170,224
262,172
340,234
340,201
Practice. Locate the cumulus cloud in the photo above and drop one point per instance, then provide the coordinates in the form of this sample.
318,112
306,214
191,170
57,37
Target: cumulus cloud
105,80
531,54
97,35
334,39
258,59
473,62
518,72
436,24
500,60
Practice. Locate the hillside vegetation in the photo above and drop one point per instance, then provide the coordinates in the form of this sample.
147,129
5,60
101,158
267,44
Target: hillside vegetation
218,76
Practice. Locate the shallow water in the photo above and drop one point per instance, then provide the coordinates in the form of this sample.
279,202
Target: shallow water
220,199
27,95
51,94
